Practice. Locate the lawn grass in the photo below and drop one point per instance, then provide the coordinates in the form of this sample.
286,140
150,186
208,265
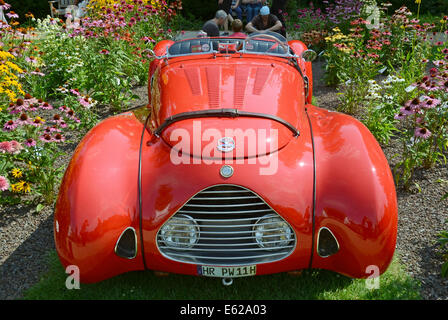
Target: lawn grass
312,284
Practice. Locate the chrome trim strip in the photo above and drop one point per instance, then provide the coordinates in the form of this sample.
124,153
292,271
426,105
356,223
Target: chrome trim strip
225,212
222,250
230,258
224,205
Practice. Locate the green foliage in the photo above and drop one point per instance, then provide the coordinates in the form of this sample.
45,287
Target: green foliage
200,9
443,245
427,6
40,9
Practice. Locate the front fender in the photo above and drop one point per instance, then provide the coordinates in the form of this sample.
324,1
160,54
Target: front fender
355,195
98,200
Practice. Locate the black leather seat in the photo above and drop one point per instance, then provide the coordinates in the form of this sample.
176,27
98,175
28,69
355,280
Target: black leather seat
184,47
264,46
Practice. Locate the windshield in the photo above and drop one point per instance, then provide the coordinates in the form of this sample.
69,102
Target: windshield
269,43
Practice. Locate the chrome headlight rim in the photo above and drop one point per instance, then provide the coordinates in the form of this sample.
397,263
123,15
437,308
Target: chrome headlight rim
284,243
177,245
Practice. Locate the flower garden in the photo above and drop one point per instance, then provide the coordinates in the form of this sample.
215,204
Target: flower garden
58,79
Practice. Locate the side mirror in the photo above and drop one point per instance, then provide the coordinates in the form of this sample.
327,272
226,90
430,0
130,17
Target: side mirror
153,55
309,55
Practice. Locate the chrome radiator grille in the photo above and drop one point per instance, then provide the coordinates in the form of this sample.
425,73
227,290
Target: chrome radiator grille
226,225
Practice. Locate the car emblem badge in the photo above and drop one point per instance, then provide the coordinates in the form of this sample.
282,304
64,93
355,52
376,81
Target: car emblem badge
226,171
226,144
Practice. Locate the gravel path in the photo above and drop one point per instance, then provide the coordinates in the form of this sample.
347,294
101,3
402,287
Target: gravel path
27,237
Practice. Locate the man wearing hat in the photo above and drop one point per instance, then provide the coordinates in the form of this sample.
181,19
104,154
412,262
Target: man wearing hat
264,21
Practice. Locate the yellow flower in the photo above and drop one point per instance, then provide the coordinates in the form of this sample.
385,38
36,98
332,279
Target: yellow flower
26,187
18,187
16,173
21,186
418,1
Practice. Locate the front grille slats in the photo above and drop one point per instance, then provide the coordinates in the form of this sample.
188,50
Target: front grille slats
224,250
224,212
225,216
224,205
229,258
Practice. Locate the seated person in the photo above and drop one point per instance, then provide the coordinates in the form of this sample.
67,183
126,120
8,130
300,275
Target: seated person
238,8
253,8
264,22
237,26
211,27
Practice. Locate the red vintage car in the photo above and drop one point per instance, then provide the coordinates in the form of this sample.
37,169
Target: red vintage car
229,171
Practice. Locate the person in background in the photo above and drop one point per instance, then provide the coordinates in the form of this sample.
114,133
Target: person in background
211,27
238,8
237,27
225,5
278,8
253,8
265,21
81,10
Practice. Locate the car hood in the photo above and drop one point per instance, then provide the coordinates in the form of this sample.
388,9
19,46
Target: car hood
256,85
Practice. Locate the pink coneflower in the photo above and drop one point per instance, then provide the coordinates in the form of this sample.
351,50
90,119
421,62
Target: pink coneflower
16,147
75,92
46,106
430,103
30,142
12,15
86,101
37,122
31,60
148,39
411,106
4,183
28,99
104,51
37,72
10,126
62,90
58,137
400,116
5,6
18,107
444,85
422,133
23,119
46,138
57,118
6,147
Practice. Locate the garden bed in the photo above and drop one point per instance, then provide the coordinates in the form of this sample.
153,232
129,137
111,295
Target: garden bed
107,69
27,237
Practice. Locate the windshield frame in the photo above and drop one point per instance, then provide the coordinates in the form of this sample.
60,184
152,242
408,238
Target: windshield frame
244,50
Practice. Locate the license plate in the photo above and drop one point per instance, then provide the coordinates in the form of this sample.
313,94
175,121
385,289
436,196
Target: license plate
227,272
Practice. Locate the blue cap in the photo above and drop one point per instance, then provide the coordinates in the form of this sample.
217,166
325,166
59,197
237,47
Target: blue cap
264,11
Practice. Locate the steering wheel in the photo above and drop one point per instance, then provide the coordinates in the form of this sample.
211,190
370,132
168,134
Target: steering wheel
278,38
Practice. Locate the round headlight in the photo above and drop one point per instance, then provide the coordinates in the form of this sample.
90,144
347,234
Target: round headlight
272,232
180,231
